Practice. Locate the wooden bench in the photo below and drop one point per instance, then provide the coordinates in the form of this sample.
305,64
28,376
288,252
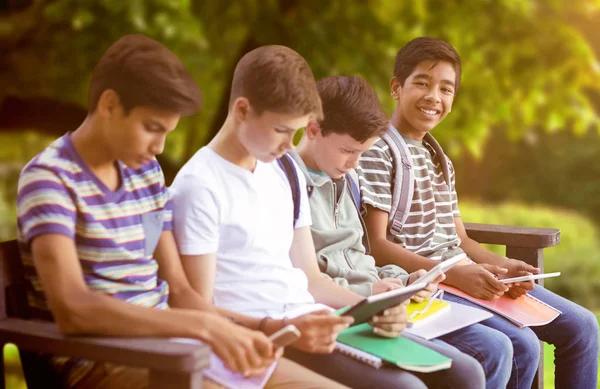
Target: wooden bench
175,365
171,365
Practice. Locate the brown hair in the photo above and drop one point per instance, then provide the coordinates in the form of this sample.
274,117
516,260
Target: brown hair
277,79
425,49
351,106
144,73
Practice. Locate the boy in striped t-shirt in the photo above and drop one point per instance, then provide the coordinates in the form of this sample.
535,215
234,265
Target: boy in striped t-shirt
94,220
426,79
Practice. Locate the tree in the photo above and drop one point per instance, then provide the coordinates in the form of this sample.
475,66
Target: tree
524,65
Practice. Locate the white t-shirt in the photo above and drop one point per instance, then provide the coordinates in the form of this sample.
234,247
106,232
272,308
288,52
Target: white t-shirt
246,218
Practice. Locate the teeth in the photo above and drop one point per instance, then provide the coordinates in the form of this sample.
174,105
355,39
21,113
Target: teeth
428,111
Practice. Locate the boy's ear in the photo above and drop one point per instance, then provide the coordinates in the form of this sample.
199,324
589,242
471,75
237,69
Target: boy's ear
241,108
313,129
395,88
108,103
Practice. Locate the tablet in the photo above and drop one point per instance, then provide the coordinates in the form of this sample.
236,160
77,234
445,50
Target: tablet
529,278
373,305
441,268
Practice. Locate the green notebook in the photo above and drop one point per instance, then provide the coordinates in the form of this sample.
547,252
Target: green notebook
361,343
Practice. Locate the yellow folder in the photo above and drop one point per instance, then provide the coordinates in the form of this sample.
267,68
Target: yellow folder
427,310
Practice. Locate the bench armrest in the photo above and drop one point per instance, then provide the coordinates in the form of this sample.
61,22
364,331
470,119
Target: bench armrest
153,353
513,236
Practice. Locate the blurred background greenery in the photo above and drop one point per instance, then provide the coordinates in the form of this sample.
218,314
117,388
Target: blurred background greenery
523,132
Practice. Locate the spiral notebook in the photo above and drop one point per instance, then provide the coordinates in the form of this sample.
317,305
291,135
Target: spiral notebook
525,311
361,343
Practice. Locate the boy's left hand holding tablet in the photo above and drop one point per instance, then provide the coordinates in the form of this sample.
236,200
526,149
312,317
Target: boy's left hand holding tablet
518,268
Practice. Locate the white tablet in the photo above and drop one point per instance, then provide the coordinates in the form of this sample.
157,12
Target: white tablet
529,277
441,268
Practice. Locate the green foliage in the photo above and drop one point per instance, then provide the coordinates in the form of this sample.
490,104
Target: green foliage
524,63
577,256
559,169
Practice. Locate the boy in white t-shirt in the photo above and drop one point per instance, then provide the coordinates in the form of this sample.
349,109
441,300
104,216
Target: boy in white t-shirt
234,221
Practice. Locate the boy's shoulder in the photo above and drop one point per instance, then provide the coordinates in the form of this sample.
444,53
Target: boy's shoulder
57,157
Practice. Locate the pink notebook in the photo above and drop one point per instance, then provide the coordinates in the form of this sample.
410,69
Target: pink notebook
526,311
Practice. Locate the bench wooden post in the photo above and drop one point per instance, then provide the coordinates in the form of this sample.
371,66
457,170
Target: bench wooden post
526,244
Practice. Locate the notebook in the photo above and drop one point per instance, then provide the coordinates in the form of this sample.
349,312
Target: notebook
427,310
457,317
526,311
219,373
361,343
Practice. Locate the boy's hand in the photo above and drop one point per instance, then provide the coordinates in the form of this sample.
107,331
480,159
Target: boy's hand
319,331
479,281
518,268
242,350
392,322
386,284
429,290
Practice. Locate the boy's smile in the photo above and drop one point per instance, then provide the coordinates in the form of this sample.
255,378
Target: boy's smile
425,98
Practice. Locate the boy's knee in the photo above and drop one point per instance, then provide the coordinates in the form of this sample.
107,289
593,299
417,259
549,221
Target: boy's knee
469,372
585,326
500,344
526,345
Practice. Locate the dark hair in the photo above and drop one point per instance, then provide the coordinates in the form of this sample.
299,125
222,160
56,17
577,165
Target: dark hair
277,79
425,49
351,106
144,73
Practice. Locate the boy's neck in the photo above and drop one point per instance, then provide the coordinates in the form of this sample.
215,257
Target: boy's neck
91,146
405,128
95,152
227,145
305,152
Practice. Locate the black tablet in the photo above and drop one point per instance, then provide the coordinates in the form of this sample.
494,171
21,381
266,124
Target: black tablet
373,305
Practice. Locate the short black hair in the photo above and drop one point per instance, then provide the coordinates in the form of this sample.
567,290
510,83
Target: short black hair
425,49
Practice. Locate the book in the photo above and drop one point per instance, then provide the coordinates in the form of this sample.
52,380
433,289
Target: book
361,343
219,373
457,317
525,311
427,310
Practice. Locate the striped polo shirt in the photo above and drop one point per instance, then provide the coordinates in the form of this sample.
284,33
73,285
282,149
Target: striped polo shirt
429,230
115,232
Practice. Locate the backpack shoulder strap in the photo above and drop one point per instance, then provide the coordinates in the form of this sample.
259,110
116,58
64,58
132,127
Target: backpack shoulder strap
286,164
354,191
403,181
442,159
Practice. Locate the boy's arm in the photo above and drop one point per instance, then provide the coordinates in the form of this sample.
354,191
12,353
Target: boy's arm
476,280
329,293
480,254
181,293
323,289
386,252
77,310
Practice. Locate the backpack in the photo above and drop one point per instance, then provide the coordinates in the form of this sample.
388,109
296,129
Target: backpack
286,164
404,179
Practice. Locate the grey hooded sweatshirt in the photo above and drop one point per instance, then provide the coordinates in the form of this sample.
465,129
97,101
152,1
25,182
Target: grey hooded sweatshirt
338,232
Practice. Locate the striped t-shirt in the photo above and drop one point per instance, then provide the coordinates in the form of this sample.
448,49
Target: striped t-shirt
429,229
115,232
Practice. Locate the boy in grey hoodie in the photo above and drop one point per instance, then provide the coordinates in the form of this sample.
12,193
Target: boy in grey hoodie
327,155
337,230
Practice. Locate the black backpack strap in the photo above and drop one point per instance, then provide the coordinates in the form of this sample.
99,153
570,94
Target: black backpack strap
286,164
